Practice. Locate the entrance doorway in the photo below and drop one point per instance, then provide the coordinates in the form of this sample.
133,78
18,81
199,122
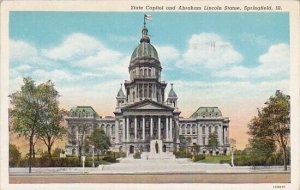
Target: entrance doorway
164,148
131,149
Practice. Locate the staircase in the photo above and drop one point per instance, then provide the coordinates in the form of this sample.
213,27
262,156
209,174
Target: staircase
154,156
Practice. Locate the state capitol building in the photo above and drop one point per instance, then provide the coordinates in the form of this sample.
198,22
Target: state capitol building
145,113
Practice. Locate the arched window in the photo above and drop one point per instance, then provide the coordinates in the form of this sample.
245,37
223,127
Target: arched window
141,72
183,129
194,129
102,127
113,130
188,129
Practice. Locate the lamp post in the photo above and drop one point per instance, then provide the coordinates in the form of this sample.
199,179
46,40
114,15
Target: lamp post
232,144
93,147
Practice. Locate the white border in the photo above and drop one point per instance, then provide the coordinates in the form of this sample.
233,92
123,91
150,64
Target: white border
288,6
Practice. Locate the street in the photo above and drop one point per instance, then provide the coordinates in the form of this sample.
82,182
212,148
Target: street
155,178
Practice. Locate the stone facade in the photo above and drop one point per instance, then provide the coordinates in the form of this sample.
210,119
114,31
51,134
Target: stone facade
144,113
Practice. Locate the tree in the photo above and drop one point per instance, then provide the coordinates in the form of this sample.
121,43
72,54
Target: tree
25,113
99,140
184,142
35,114
57,152
51,116
196,149
272,126
14,155
213,141
81,139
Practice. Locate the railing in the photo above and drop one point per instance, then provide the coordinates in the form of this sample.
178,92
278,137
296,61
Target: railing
144,76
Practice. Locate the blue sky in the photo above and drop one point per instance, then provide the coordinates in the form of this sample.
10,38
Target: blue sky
231,60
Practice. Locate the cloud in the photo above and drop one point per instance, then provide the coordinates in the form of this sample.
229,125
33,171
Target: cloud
167,55
254,39
24,53
24,67
209,50
275,62
54,75
75,46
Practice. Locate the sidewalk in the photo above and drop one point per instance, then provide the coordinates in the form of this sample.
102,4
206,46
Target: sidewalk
140,166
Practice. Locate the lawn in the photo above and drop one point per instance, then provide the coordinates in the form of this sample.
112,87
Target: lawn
216,159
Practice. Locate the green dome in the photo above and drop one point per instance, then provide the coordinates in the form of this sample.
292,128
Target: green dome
207,112
172,93
121,93
144,49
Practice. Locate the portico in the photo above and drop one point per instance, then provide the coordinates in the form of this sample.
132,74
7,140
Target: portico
145,121
148,127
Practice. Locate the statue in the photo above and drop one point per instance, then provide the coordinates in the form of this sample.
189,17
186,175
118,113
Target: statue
156,147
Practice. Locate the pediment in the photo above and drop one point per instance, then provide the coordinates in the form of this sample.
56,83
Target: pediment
148,105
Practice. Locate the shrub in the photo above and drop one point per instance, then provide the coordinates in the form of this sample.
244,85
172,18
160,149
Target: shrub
109,159
57,152
196,158
182,154
14,156
137,155
120,154
225,162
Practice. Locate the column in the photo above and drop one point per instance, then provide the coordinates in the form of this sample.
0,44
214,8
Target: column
200,141
105,129
127,128
117,131
180,129
123,130
206,134
171,128
110,131
135,128
167,128
143,127
151,127
227,135
143,90
220,133
159,128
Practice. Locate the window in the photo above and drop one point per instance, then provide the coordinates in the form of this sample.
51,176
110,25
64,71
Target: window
141,72
203,129
183,129
194,129
188,129
150,90
203,140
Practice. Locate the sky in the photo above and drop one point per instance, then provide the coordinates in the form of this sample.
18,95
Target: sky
234,61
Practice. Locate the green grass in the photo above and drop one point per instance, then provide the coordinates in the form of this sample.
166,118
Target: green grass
215,159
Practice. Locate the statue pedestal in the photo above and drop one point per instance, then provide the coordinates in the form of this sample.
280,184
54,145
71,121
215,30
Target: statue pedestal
159,154
153,148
